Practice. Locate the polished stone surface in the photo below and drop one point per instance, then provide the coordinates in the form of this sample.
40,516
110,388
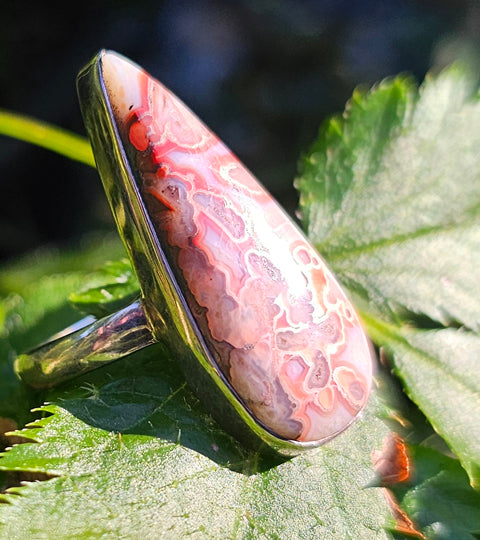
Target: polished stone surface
277,322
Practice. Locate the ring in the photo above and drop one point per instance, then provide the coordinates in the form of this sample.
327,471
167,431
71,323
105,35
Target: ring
265,334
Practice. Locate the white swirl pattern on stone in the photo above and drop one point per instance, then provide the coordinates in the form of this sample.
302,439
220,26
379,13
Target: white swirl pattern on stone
277,322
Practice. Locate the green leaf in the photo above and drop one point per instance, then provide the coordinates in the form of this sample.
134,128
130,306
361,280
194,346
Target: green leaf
390,193
440,371
134,455
114,287
439,497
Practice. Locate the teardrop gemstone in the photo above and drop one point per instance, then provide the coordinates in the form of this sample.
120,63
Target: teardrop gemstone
279,326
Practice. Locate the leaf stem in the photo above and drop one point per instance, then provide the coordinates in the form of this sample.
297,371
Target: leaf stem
46,135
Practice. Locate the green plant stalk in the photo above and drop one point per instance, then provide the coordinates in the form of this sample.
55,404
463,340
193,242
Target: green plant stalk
46,135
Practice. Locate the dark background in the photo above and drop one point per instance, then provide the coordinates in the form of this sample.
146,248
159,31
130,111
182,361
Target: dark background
262,74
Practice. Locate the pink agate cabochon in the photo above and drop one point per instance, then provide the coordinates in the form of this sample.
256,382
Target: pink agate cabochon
275,319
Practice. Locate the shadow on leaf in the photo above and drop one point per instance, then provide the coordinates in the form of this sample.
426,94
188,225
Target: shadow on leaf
146,394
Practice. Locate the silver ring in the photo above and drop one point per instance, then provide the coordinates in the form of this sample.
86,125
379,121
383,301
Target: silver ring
266,335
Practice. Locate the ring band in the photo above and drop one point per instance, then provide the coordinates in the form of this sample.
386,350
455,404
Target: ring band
79,350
